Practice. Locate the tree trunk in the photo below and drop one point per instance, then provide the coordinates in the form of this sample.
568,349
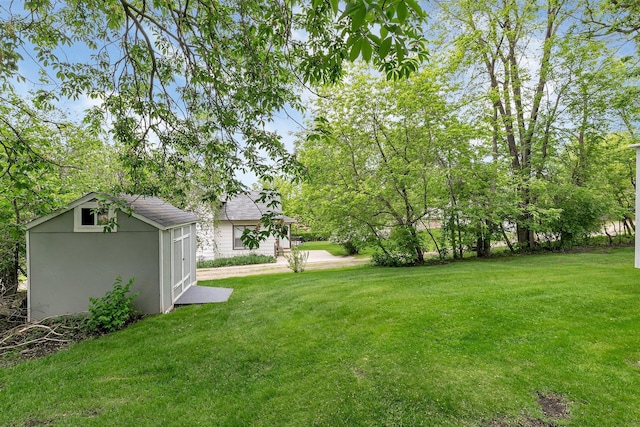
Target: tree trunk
483,247
416,245
526,237
435,242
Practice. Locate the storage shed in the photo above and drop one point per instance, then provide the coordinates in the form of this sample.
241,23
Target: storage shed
70,257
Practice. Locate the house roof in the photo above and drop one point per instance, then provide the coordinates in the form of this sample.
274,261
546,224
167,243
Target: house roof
148,209
244,207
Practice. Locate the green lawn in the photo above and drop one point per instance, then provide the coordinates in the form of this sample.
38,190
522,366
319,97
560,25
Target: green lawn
333,248
463,344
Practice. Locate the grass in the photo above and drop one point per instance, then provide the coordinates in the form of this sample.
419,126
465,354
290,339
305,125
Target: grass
461,344
333,248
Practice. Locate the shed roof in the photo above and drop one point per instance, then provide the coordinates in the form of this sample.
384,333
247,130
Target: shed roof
158,211
244,207
148,209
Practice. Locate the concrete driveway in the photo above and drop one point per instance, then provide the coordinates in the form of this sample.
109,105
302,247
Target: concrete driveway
318,260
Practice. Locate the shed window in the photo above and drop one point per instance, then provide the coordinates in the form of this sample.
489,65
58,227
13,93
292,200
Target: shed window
88,218
92,217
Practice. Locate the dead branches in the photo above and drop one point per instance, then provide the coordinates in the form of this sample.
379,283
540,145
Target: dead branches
20,336
37,339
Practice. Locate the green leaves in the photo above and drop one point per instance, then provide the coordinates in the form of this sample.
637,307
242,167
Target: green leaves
402,12
385,47
187,90
399,48
372,157
114,310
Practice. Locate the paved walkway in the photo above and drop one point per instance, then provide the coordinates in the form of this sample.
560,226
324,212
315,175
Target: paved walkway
318,260
204,295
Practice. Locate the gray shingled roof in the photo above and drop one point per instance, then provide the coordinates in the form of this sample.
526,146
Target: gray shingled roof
244,207
158,211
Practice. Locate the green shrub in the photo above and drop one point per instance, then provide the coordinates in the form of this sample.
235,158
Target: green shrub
297,260
400,248
114,310
236,260
392,259
350,248
310,236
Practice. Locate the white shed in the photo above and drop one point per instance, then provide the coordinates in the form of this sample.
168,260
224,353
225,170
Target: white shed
70,257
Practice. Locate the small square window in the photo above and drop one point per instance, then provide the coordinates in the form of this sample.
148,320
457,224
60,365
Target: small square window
87,217
93,218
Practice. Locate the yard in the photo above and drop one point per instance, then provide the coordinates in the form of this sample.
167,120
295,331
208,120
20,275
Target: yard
535,341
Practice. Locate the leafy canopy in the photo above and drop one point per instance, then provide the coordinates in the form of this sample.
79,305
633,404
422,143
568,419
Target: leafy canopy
188,87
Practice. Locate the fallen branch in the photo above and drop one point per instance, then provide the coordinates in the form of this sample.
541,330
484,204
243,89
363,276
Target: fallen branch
39,340
44,336
37,325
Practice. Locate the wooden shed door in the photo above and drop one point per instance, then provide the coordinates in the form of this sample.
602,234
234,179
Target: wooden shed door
181,260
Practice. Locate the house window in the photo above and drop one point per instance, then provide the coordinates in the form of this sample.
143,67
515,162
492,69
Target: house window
237,236
92,217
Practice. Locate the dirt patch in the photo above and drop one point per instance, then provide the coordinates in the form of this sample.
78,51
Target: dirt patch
36,423
553,405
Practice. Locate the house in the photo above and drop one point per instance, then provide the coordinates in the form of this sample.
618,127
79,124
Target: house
234,216
70,257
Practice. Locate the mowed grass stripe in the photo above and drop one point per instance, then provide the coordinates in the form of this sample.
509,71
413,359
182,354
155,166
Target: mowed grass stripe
460,344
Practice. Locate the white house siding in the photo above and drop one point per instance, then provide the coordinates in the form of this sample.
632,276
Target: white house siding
220,242
224,245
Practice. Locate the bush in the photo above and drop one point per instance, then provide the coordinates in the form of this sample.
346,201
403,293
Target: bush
350,248
392,259
236,260
297,260
400,248
114,310
310,236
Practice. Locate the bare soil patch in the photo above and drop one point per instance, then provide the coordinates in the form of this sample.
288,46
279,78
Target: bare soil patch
554,408
553,405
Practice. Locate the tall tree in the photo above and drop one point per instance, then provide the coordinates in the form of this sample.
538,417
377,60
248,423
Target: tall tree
190,84
532,72
380,159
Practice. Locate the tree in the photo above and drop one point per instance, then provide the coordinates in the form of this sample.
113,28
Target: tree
616,179
189,85
45,162
541,85
376,160
614,16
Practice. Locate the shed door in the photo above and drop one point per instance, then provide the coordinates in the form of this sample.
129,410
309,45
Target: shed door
181,260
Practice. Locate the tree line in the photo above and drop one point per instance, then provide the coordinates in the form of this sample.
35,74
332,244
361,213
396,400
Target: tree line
517,131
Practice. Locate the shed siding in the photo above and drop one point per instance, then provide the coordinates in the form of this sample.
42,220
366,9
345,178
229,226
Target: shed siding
193,249
167,304
67,268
